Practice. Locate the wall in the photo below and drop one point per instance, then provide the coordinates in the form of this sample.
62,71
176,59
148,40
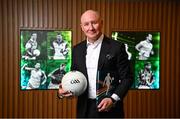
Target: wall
123,15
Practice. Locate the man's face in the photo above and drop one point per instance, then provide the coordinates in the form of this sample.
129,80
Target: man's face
34,36
149,37
148,66
37,66
91,25
62,67
59,38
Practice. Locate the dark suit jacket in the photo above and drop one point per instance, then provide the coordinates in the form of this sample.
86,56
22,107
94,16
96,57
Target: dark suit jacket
112,57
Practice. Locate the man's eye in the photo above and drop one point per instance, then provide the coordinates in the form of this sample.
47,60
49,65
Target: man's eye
94,22
86,24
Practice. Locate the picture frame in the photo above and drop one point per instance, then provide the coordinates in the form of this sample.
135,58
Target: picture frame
45,56
143,50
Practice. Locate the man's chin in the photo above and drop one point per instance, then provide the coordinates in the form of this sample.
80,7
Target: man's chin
93,37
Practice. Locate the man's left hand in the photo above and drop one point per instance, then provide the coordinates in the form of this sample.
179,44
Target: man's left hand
105,105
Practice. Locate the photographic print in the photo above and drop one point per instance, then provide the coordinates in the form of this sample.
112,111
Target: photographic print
45,58
143,49
105,84
146,75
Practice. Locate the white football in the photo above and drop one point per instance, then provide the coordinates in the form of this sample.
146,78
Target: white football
36,52
75,82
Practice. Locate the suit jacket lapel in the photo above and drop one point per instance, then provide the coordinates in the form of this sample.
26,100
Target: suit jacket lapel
83,58
105,47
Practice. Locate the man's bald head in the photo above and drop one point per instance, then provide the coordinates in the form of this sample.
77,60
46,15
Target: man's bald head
91,24
90,12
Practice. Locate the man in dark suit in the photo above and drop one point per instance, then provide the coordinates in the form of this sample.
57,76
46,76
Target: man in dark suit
100,53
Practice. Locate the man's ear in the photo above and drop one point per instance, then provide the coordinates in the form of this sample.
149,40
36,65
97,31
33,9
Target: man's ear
82,27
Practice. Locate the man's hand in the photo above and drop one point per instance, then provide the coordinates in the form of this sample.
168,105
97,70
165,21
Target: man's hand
105,105
62,93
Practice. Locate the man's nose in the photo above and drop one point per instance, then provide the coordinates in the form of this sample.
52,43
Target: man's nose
91,27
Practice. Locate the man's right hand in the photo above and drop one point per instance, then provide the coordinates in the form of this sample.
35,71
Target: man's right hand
62,93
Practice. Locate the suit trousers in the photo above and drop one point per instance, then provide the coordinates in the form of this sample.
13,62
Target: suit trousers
92,111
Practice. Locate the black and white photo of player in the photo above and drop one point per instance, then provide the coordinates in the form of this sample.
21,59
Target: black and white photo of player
60,48
37,76
146,77
31,48
56,77
145,48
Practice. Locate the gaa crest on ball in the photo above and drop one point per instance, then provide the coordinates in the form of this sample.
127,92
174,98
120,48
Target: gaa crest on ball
75,82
